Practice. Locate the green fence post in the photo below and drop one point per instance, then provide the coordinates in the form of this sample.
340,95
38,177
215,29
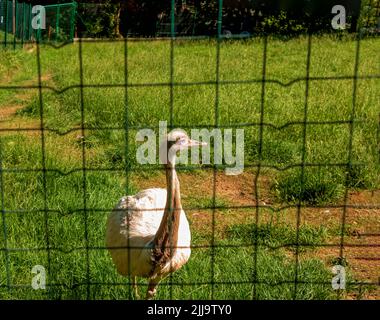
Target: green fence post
30,31
39,33
15,23
72,20
220,17
23,24
25,21
1,13
194,20
172,20
6,23
57,23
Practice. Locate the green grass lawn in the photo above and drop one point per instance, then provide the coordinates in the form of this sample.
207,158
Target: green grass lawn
46,208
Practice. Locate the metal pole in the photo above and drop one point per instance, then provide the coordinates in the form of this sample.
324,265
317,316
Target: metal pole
57,24
39,32
14,23
22,32
72,20
30,22
24,11
6,23
14,17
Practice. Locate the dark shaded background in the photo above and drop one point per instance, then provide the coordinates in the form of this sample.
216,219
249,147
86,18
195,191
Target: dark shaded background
151,18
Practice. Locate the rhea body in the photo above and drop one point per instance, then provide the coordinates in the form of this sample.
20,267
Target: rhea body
148,234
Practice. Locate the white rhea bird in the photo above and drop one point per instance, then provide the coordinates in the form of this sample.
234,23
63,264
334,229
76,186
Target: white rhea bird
148,234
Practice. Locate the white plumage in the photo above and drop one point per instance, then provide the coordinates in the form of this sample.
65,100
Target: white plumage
144,212
148,234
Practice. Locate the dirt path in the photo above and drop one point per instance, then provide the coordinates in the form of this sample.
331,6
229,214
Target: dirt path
8,110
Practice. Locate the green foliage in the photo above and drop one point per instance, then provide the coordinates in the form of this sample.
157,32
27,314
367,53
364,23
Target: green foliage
313,188
369,17
98,19
282,24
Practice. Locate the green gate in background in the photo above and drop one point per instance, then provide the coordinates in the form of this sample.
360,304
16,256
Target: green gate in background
16,23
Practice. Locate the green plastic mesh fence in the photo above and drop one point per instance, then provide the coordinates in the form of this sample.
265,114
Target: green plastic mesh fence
17,18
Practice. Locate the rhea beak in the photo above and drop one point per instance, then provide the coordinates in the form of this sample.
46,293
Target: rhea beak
195,143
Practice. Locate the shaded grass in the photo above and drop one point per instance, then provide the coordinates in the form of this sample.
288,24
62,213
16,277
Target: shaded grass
313,187
277,235
230,276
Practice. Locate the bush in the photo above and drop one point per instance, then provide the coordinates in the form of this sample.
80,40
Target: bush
315,188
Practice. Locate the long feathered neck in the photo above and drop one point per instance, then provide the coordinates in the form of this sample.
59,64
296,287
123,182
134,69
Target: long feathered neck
166,238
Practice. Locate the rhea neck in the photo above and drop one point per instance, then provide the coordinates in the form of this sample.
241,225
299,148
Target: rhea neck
166,238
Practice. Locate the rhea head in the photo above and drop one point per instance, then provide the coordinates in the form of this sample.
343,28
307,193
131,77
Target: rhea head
176,141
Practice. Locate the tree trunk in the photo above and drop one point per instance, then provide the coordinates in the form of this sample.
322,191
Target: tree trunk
117,22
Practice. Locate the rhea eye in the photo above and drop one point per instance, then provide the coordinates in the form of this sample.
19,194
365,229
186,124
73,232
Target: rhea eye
182,141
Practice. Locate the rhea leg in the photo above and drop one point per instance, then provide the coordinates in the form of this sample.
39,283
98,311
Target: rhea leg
135,289
152,289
